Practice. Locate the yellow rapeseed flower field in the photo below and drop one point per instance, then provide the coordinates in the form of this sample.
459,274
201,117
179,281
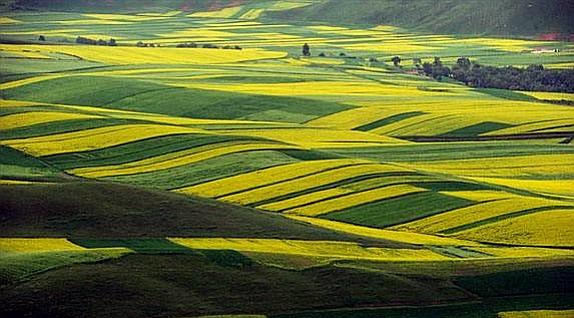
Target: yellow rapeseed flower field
36,245
307,182
267,176
398,236
320,138
33,118
175,159
93,138
546,228
537,314
161,55
550,187
475,213
550,95
555,164
337,250
353,199
304,199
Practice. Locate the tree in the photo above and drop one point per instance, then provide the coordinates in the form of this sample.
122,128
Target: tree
112,42
41,38
306,50
463,63
417,62
396,61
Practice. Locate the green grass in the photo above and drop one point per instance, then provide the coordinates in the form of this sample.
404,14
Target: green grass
59,127
342,183
137,150
521,282
183,285
455,17
18,266
145,96
139,245
476,129
455,151
16,165
95,214
207,170
488,308
398,210
388,120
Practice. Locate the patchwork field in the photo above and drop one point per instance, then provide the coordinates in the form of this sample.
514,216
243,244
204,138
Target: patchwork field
174,181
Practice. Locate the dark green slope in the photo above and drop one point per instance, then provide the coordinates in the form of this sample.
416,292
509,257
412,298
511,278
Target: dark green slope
498,17
102,210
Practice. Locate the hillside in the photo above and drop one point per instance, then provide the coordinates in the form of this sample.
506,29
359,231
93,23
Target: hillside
199,165
497,17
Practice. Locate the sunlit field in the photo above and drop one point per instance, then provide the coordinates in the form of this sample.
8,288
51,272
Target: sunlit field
357,182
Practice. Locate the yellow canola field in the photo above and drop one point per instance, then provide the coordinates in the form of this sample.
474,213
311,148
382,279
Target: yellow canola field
475,213
264,177
33,118
223,13
124,17
319,138
525,252
354,117
306,182
304,199
550,125
173,160
354,199
27,81
6,20
36,245
16,103
163,55
398,236
322,88
547,165
252,14
91,22
548,228
537,314
550,95
90,139
549,187
337,250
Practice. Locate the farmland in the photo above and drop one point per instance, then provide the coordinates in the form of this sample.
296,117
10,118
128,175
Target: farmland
202,166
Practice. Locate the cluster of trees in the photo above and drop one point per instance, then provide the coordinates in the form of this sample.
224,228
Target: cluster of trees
531,78
435,69
83,40
208,46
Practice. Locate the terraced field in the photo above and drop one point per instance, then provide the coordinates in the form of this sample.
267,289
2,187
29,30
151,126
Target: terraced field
207,181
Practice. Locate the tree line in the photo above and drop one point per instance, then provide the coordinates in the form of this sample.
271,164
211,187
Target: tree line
84,40
531,78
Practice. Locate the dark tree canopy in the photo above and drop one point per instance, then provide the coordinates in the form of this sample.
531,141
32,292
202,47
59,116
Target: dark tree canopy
306,50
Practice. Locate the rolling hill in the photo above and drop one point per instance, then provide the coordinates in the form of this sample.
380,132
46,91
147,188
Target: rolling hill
493,17
233,176
535,17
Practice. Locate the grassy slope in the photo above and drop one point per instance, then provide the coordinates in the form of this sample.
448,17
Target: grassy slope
507,17
88,209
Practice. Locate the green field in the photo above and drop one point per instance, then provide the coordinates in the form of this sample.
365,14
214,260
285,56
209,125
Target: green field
161,181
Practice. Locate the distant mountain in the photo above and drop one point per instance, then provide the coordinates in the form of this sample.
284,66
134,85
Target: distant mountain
498,17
